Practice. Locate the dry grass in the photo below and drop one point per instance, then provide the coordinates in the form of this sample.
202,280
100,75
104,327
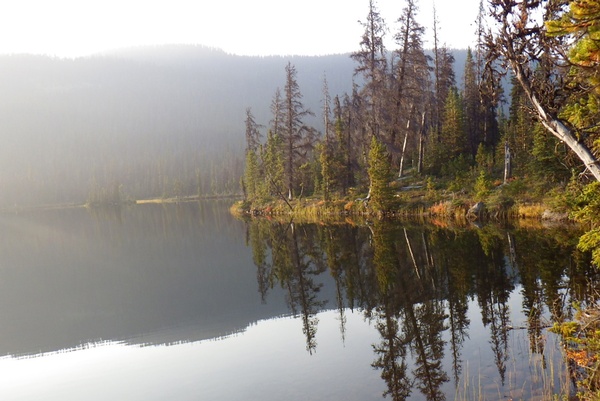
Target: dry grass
530,211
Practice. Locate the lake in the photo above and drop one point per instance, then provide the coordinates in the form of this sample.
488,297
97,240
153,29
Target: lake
185,302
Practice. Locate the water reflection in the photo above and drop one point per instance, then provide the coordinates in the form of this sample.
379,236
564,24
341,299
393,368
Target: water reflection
70,277
415,284
423,312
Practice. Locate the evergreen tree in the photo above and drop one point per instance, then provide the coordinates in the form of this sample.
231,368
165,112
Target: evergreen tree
453,128
409,85
326,148
519,132
343,136
443,75
452,141
277,108
251,176
380,175
489,85
299,138
251,182
472,104
253,135
372,66
274,169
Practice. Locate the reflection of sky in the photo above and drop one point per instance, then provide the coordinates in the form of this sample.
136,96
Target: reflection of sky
268,361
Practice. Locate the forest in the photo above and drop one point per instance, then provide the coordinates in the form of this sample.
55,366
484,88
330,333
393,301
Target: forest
411,136
516,121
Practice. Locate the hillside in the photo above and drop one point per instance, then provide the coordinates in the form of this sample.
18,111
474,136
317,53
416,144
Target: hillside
154,121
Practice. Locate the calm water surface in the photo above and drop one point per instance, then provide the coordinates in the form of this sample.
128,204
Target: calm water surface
184,302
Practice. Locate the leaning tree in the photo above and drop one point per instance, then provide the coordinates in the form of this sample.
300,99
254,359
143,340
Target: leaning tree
541,60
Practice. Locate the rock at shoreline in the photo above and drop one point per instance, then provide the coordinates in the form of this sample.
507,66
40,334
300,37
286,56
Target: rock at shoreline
476,210
554,216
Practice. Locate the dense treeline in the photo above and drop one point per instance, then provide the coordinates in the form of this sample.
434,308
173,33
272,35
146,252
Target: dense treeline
138,123
415,113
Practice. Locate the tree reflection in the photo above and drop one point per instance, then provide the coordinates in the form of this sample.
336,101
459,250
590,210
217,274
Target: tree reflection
415,285
296,271
493,287
391,351
409,287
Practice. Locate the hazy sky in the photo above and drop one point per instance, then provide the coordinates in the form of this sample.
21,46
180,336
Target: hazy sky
71,28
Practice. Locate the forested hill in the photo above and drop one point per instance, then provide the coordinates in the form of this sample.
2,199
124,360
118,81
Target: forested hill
154,121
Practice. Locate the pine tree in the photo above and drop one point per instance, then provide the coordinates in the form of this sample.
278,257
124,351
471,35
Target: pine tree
372,65
380,175
274,169
519,132
251,176
251,181
472,104
298,137
409,85
277,108
444,78
253,135
452,142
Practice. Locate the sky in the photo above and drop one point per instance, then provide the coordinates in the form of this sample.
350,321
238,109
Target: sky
75,28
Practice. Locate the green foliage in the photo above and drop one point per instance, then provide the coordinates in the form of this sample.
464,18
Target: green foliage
251,176
548,158
380,175
587,207
581,337
590,242
482,186
273,164
453,126
431,189
514,188
484,159
587,210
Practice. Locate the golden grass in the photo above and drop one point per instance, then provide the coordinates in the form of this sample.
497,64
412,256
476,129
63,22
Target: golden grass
530,211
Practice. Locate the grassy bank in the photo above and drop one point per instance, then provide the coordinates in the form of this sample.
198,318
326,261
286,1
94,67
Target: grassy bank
421,200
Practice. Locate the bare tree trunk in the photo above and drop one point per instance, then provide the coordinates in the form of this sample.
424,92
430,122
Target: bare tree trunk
507,163
401,169
552,124
421,142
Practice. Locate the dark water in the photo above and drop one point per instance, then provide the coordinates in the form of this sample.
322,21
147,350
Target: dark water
185,302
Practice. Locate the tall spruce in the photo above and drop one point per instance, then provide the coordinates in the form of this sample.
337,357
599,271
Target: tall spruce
330,151
489,83
273,161
453,143
472,104
380,175
253,135
443,75
252,183
277,112
372,66
298,137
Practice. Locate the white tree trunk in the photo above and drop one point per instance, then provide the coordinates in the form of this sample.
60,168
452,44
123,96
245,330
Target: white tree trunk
555,126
